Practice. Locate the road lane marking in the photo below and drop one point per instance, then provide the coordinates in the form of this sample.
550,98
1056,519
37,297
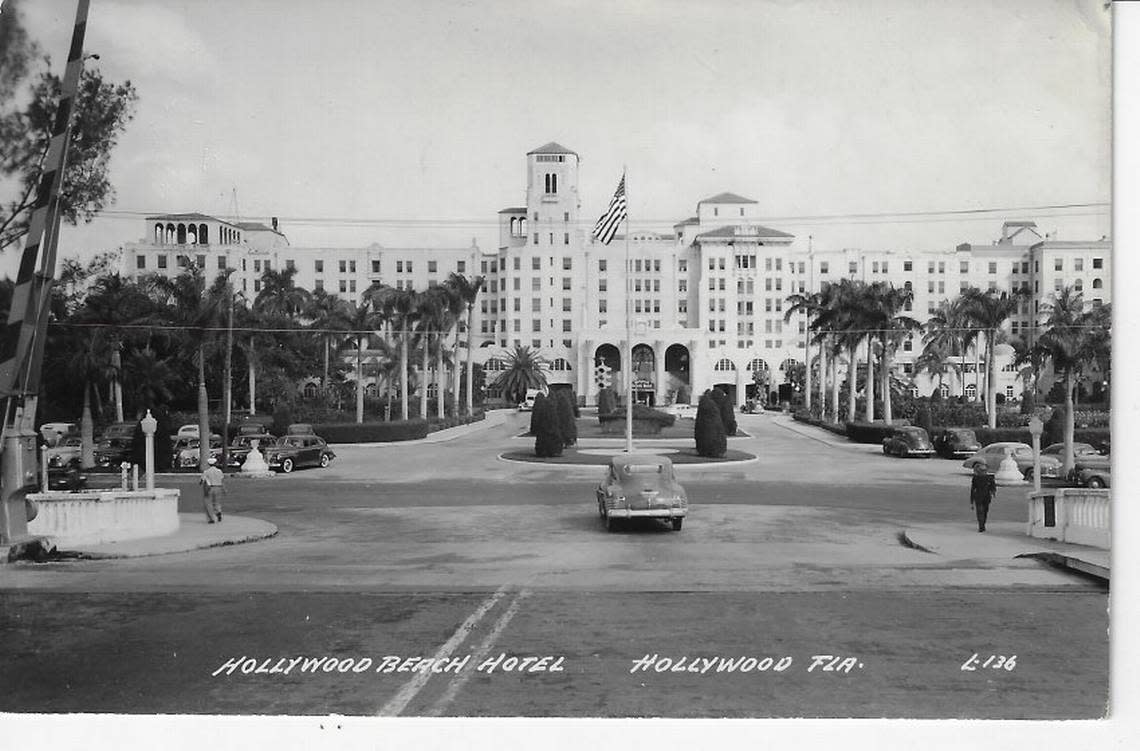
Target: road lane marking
404,696
461,679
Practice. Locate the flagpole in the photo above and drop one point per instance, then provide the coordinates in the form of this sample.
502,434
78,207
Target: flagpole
628,331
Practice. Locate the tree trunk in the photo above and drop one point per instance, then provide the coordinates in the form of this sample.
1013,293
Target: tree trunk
1070,424
885,389
807,370
439,379
869,390
424,377
203,412
116,384
252,381
325,377
455,373
822,379
991,383
403,375
359,379
470,358
852,376
977,369
87,431
834,387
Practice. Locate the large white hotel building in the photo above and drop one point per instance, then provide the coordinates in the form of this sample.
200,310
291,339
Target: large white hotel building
707,301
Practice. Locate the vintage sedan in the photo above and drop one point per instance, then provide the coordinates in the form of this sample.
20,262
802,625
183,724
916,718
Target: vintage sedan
242,444
69,479
1079,450
641,486
956,443
292,451
991,457
186,451
68,451
1095,477
111,452
908,441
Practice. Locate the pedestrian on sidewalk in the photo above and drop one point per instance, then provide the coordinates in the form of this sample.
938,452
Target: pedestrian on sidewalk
213,485
983,487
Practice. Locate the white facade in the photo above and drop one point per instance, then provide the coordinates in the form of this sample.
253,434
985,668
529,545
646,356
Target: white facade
706,303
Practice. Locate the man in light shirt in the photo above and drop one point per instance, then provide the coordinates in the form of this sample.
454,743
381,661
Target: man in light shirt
213,485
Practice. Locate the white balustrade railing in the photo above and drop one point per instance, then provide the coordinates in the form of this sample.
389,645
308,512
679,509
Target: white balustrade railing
94,517
1078,515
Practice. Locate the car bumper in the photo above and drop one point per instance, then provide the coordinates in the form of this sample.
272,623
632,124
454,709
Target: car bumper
635,513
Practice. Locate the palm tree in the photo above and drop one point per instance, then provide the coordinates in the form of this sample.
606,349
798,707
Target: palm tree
468,292
936,361
431,316
989,311
810,304
525,369
279,298
1065,338
196,309
1030,359
362,321
332,317
947,330
885,314
397,309
844,314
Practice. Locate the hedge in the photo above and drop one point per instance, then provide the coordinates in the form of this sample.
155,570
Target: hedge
863,432
802,416
372,432
640,412
986,436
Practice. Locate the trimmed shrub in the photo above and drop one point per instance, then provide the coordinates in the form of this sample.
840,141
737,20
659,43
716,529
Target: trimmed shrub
709,429
607,401
646,420
372,432
684,394
564,404
727,415
1054,431
534,415
282,419
873,432
922,418
547,436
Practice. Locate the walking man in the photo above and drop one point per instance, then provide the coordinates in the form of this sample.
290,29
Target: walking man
213,485
982,491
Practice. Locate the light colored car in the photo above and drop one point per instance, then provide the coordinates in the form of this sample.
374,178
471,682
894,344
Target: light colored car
991,457
67,451
187,431
186,451
641,486
292,451
527,404
688,411
52,432
1079,450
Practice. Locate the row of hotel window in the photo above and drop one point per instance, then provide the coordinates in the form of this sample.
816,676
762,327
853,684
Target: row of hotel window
343,266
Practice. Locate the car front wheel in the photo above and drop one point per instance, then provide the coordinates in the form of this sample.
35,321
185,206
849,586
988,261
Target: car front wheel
325,460
1095,483
1028,473
286,465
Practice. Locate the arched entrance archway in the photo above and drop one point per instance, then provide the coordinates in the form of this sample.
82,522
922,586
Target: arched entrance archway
610,356
644,375
724,375
677,374
759,380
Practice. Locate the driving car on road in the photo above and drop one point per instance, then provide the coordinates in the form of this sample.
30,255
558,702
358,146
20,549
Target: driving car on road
641,486
991,457
907,441
955,443
292,451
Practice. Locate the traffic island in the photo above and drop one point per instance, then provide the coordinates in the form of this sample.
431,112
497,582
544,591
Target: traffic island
601,456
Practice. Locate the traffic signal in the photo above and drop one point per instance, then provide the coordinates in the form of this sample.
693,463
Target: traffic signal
603,374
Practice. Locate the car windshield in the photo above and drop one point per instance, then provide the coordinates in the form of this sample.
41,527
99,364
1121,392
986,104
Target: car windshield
965,435
1023,451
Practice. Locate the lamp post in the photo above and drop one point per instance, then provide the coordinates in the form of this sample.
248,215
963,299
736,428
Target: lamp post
149,426
1035,428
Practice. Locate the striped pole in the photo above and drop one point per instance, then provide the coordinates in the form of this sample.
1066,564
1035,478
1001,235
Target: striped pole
22,336
27,316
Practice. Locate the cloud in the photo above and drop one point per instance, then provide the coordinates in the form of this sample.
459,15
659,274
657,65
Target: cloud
143,40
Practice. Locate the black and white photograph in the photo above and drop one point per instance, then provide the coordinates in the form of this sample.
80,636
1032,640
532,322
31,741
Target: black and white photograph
470,374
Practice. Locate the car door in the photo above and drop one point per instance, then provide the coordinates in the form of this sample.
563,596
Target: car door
312,452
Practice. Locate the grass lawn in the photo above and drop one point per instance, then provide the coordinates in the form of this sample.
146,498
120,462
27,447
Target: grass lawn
572,455
589,427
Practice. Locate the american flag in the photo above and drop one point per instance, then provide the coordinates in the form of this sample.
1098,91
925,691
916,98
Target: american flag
607,225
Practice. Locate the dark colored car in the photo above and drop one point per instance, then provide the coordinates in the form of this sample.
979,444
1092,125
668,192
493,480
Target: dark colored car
111,452
641,485
1098,477
292,451
956,443
908,441
69,479
240,448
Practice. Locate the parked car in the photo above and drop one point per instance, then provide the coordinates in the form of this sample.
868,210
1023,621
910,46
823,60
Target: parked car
1095,477
292,451
688,411
240,448
53,432
188,431
991,456
111,452
1079,450
300,428
956,443
527,404
908,441
68,451
119,430
641,486
69,479
186,456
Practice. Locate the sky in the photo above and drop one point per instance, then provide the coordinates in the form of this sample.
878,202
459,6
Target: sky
412,120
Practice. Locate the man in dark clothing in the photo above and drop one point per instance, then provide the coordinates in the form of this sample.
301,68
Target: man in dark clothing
982,491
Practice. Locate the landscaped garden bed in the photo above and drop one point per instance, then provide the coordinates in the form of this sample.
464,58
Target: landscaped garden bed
574,455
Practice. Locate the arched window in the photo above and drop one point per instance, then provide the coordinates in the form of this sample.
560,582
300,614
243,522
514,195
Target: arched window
158,234
181,234
170,234
1097,284
1009,392
514,226
371,390
724,364
310,390
971,391
943,390
522,226
560,363
758,364
788,364
203,234
1079,285
914,391
494,364
192,234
